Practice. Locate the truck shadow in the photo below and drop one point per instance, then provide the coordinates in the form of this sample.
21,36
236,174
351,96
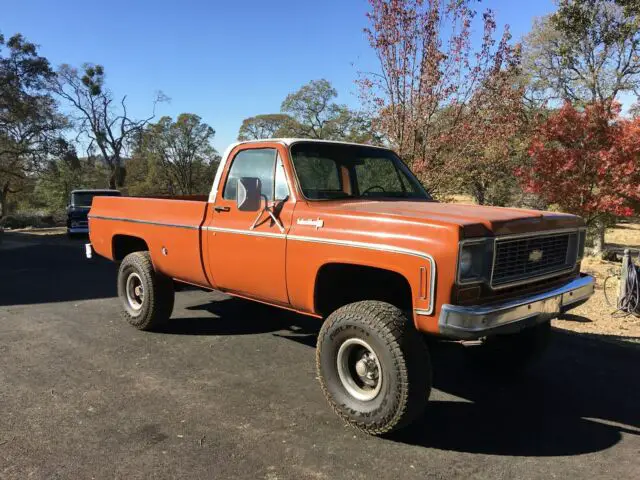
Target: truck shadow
580,398
235,316
44,269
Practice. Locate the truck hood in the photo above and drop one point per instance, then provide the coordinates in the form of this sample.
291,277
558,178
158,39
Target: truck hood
473,220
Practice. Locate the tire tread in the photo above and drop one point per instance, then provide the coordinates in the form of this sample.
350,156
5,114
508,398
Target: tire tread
413,366
160,296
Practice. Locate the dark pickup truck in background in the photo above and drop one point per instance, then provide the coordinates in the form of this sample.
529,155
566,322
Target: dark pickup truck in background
79,206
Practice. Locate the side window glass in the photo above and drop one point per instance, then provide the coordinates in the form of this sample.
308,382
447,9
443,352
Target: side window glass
282,190
258,163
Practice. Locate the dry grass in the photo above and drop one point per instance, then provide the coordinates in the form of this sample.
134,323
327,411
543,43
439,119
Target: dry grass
627,234
41,231
597,316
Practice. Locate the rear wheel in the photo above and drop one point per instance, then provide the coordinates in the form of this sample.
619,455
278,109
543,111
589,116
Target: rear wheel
373,366
147,296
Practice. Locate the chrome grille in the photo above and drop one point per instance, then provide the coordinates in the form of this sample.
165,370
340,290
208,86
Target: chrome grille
523,258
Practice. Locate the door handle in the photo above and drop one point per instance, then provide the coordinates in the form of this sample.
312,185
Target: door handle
221,209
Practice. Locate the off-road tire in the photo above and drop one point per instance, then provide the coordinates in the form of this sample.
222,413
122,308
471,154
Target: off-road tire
515,353
404,362
157,303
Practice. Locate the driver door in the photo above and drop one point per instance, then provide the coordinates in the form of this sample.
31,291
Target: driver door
246,250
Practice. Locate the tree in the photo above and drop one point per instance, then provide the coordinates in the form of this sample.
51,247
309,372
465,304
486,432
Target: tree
107,126
183,151
428,73
314,114
485,151
588,51
311,112
64,173
311,108
588,163
263,126
29,121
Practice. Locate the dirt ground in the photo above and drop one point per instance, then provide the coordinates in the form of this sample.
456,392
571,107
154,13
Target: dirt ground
596,316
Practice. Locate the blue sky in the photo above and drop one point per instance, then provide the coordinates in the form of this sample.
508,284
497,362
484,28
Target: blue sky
223,60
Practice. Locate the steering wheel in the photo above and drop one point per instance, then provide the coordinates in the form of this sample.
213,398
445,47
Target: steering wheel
371,188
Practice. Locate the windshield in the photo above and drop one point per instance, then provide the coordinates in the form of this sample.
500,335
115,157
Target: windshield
336,171
84,199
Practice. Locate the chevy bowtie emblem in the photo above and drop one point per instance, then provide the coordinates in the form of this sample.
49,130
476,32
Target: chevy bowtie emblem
535,256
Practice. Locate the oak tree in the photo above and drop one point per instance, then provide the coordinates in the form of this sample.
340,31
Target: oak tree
99,117
180,153
263,126
30,124
587,51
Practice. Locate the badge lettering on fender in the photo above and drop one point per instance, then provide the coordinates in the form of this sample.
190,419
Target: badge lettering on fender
318,223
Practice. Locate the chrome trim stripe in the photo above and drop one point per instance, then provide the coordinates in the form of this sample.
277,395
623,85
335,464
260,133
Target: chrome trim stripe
145,222
252,233
382,248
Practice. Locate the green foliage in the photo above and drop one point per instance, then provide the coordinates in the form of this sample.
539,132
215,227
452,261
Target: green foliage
101,121
30,124
64,175
311,112
263,126
588,51
174,157
316,115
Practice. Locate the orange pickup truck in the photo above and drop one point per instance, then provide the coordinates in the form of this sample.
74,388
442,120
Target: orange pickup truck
346,233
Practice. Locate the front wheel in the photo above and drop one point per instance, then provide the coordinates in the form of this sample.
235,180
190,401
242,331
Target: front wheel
373,367
147,296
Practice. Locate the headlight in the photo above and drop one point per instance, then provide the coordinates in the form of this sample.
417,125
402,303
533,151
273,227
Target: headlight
474,261
466,262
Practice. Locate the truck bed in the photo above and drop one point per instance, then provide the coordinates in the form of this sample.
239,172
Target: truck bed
171,227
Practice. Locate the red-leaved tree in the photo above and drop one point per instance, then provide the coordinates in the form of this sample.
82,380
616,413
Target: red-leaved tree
434,81
588,163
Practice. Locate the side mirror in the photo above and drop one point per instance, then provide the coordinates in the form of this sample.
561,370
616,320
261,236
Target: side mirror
248,194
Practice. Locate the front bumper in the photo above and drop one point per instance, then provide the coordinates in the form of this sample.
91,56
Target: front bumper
75,225
473,322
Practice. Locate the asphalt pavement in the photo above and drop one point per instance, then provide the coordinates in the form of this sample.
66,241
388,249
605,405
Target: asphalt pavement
228,390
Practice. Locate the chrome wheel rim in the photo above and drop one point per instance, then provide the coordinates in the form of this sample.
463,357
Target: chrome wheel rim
359,369
135,291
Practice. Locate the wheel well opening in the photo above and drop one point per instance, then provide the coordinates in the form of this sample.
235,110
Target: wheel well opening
340,284
123,245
